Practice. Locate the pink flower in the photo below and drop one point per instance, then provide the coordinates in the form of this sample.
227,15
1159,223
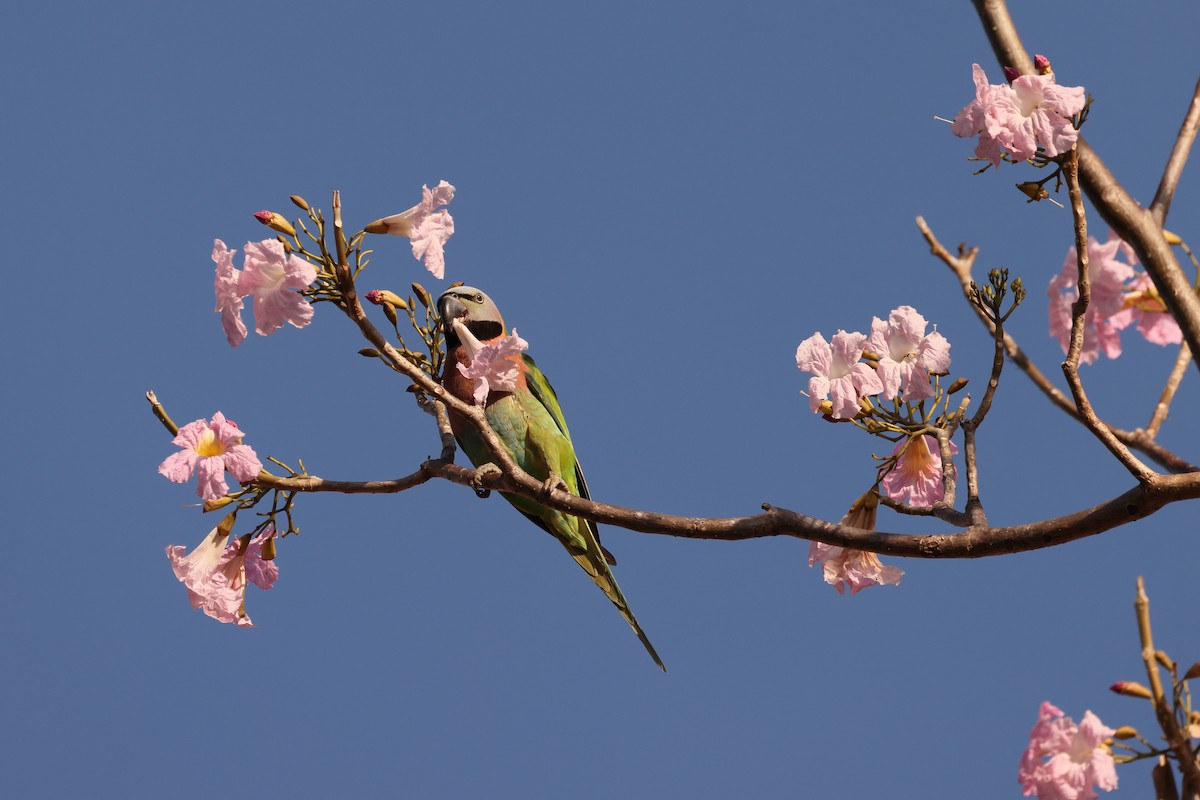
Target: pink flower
906,354
1033,111
858,569
270,275
838,372
229,296
1106,315
427,226
494,367
916,477
1064,760
1147,308
215,574
973,119
208,450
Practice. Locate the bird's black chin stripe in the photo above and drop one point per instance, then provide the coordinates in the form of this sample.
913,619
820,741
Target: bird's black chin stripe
483,330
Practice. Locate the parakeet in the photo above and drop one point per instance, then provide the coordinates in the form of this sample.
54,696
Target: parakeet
530,423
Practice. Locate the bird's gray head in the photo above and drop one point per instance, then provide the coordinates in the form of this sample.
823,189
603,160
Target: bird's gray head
472,308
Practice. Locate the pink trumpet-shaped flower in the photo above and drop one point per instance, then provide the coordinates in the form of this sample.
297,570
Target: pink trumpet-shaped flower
427,226
858,569
1063,760
916,478
1148,310
208,449
229,295
1106,316
271,275
839,374
494,366
907,355
1034,110
215,574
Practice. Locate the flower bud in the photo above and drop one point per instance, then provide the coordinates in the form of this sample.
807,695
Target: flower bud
1164,659
1125,732
287,246
422,295
1011,74
268,549
382,296
1193,672
300,202
396,225
1033,190
958,385
369,352
275,222
1041,64
244,542
825,408
865,406
1131,689
220,502
1171,238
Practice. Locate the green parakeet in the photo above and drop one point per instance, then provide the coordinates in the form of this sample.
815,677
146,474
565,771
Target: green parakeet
525,414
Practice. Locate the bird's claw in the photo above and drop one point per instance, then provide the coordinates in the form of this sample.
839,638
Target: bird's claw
550,484
481,474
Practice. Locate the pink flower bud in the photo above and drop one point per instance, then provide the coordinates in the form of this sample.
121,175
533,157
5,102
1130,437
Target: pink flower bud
274,221
1011,74
1131,689
1041,64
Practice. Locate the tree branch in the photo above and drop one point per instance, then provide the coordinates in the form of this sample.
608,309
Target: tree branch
1178,158
1070,367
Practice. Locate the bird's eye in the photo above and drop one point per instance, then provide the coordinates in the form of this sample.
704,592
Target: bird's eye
479,298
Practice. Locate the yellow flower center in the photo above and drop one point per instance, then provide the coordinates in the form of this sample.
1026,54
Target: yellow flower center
209,445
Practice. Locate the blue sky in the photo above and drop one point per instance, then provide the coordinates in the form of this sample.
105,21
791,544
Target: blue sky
666,200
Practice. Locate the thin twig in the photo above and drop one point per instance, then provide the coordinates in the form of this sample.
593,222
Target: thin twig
1168,392
1070,367
1179,742
1178,158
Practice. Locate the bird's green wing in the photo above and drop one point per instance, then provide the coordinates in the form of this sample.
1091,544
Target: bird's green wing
541,389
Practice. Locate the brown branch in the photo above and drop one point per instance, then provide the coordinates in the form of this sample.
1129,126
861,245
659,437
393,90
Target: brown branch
1136,225
961,266
1179,742
1168,393
1070,367
1178,158
1138,502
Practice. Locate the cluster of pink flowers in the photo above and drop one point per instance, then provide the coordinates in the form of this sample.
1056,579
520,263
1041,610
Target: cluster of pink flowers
904,357
208,449
217,571
1016,118
427,226
271,275
1064,760
1120,297
494,366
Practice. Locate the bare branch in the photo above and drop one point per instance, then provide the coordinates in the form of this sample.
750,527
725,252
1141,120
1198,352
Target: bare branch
1179,741
1178,158
1070,367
